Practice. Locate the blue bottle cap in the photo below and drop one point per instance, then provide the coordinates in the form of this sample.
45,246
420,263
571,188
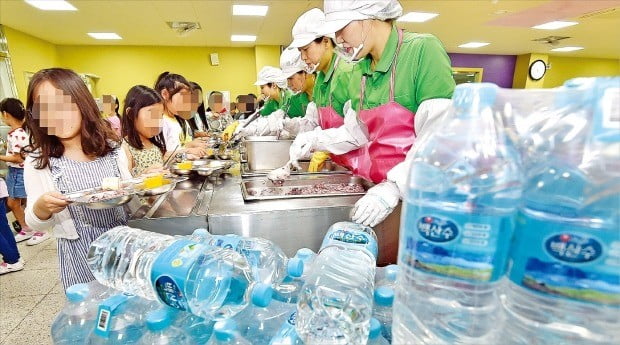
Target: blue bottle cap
295,267
225,330
159,319
77,293
384,296
391,272
261,295
375,329
305,254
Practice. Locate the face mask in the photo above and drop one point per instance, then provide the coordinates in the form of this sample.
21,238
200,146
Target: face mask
311,68
349,57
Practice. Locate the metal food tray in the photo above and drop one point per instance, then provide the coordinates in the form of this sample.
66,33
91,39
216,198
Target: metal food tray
250,186
203,165
329,168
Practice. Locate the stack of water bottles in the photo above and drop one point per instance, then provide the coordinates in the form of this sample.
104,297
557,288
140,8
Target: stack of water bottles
514,239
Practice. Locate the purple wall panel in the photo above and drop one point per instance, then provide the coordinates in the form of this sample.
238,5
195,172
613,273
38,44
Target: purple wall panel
498,69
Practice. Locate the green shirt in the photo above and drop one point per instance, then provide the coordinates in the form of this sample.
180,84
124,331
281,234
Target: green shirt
423,71
297,105
340,84
273,104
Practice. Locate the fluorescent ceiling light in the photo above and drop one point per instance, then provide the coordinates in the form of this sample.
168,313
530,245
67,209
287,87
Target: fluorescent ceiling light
250,10
417,17
554,25
105,35
566,49
243,38
51,5
474,45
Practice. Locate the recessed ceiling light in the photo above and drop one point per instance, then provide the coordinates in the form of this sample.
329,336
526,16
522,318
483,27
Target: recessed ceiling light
51,5
250,10
417,17
243,38
105,35
554,25
474,45
566,49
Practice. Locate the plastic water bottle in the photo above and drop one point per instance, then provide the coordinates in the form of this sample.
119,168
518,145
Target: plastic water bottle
262,324
287,334
384,299
464,189
225,333
206,281
386,276
160,329
198,330
265,257
75,322
564,282
335,304
288,290
119,321
374,336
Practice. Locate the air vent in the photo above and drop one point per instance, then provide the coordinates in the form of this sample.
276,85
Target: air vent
609,13
552,40
183,28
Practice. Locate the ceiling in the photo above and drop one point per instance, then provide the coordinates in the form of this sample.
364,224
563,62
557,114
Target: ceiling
504,23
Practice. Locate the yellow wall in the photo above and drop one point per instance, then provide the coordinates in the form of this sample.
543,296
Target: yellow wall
28,54
121,67
266,56
522,78
564,68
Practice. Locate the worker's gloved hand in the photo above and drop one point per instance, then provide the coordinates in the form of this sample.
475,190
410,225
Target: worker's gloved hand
274,123
279,175
302,146
377,204
229,131
317,162
307,123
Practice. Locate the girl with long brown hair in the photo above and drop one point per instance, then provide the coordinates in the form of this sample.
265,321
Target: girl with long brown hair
71,148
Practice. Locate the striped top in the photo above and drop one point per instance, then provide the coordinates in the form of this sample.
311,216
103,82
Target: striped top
70,176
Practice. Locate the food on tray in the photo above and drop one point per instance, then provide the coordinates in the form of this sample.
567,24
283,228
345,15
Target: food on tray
102,196
185,165
316,189
155,180
111,183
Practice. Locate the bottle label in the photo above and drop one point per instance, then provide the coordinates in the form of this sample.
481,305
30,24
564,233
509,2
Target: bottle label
567,261
461,246
104,315
292,319
245,248
353,237
170,270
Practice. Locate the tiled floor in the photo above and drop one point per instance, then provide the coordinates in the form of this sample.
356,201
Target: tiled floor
30,299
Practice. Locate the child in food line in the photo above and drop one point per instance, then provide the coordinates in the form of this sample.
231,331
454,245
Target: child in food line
13,114
143,140
11,260
70,150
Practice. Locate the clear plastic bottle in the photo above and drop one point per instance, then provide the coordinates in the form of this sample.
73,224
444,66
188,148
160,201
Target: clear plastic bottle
225,333
199,330
384,299
261,324
458,220
265,257
161,331
287,334
564,281
288,290
75,322
335,304
120,321
374,336
386,276
206,281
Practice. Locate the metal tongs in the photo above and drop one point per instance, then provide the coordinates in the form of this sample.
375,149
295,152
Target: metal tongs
255,115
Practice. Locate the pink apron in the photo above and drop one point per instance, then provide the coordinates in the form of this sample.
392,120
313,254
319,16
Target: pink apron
391,130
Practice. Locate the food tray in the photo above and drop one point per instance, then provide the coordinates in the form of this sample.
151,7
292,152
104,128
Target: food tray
203,165
329,168
99,199
308,186
170,183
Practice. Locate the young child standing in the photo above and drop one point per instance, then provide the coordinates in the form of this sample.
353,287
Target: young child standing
13,114
11,260
70,150
143,140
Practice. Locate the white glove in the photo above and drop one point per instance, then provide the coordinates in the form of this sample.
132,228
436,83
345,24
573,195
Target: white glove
350,136
428,119
264,125
377,204
307,123
280,174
